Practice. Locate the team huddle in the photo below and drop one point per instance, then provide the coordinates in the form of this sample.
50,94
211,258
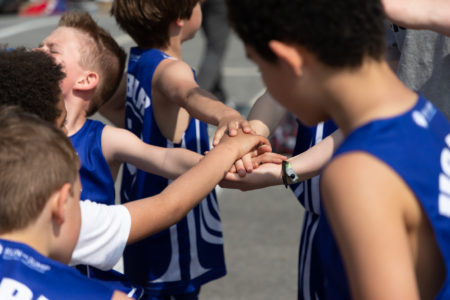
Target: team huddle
371,165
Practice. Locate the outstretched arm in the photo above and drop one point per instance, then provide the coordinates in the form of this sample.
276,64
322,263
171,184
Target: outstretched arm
420,14
306,165
120,145
176,80
150,215
263,117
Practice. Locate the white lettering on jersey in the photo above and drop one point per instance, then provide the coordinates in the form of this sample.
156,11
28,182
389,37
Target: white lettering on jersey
444,180
11,289
137,95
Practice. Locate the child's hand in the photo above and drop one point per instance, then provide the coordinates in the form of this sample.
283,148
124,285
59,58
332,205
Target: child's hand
267,174
252,160
243,143
231,124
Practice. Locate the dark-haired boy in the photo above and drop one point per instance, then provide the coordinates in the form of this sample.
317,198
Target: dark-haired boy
167,108
386,192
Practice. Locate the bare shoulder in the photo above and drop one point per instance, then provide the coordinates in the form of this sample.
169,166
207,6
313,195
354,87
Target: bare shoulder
173,73
354,176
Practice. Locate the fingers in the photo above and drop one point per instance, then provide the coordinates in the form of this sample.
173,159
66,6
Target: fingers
247,162
218,135
245,125
232,169
264,148
233,127
269,157
240,168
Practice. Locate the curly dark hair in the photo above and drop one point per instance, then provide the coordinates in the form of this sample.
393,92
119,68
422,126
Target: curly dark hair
30,80
147,21
340,33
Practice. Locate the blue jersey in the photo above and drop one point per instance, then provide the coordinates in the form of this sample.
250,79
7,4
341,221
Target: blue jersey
96,180
26,274
416,145
310,278
190,253
98,186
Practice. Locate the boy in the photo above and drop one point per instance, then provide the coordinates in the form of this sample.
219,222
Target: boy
313,148
94,63
386,190
105,229
166,107
40,213
38,91
43,219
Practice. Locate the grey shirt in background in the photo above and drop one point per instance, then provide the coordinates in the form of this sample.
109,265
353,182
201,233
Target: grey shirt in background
423,62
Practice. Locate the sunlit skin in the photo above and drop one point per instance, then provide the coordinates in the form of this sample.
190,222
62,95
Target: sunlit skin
411,266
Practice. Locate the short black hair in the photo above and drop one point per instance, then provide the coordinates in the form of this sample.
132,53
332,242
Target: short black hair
30,80
341,33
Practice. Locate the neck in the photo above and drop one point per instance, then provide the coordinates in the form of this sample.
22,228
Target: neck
76,107
174,49
356,97
175,40
34,236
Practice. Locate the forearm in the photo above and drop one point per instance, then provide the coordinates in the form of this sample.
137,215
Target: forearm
309,163
180,196
177,161
420,14
265,115
204,106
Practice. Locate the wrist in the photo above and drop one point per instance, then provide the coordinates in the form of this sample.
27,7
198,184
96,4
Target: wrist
288,174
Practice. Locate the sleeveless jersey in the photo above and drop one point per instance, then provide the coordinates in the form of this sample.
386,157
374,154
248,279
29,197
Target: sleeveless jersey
98,186
310,278
416,145
96,179
26,274
190,253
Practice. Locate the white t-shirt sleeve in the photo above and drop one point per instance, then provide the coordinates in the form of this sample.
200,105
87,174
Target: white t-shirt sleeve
103,235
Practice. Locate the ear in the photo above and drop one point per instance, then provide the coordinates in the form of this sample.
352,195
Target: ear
59,200
179,22
288,54
88,81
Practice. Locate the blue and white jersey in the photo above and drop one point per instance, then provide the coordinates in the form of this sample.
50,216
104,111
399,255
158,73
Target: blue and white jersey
190,253
97,183
310,278
416,145
98,186
26,274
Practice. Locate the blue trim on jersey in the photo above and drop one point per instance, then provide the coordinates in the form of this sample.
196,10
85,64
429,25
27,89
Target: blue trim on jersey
26,274
310,278
96,179
416,145
190,253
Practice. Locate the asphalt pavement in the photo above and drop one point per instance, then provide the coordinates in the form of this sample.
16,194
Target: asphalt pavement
261,228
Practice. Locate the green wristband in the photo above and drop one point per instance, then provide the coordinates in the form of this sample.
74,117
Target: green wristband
288,174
